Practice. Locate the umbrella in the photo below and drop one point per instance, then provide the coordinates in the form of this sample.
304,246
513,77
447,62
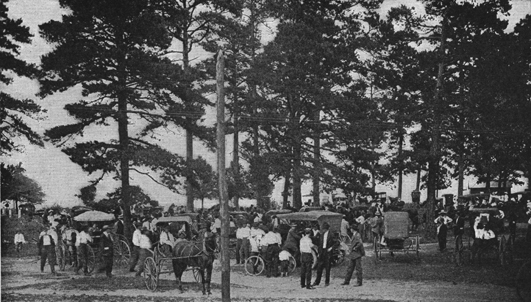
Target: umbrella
94,216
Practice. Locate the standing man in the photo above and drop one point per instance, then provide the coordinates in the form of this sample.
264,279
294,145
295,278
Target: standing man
292,241
442,228
239,243
145,248
272,244
47,242
106,251
357,251
344,229
82,242
326,246
306,246
19,240
136,246
167,241
246,244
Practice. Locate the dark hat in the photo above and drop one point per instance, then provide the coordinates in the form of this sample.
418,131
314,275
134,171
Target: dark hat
354,226
326,225
106,227
138,223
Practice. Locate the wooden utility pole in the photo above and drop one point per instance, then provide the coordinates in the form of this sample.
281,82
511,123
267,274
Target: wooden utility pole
222,181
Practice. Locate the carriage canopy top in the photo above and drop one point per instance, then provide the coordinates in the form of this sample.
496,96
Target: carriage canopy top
334,219
92,216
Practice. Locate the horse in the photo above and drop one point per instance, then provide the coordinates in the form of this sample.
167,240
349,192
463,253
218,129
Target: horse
194,254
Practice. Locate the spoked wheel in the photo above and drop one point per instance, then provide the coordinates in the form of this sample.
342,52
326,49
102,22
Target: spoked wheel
150,274
122,253
523,282
197,275
91,259
407,245
292,264
254,265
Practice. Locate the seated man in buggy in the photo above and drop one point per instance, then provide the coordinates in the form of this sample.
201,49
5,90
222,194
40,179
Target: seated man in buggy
166,241
484,236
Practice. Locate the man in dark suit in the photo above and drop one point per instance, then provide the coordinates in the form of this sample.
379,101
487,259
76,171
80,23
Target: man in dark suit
356,252
106,251
327,244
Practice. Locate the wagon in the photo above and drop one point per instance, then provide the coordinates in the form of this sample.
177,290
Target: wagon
122,250
396,236
306,219
501,248
158,263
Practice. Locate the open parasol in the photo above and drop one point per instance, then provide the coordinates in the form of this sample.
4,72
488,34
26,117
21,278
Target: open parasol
94,216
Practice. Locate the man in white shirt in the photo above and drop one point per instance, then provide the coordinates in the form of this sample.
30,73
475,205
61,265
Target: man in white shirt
167,241
145,251
82,242
344,228
442,228
136,246
272,242
19,240
245,234
305,248
361,226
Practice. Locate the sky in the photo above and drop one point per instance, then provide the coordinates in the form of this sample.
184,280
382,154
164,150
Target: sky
61,179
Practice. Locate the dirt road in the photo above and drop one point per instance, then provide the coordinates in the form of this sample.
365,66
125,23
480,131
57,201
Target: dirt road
22,281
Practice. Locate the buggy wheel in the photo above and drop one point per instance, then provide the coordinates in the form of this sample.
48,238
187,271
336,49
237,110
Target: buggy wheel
91,259
292,264
408,244
122,253
523,282
254,265
197,275
150,274
315,258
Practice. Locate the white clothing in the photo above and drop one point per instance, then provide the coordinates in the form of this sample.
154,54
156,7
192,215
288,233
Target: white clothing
243,233
19,238
136,237
145,243
257,232
325,238
344,227
255,242
284,255
270,238
360,220
442,220
153,224
54,236
83,238
146,224
167,238
306,244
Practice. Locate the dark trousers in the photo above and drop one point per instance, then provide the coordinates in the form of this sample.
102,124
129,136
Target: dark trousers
323,264
239,243
142,255
245,250
134,257
441,236
284,264
354,265
48,252
271,259
82,257
107,265
306,269
18,246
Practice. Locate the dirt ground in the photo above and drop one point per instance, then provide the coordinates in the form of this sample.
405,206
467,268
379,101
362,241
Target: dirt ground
399,278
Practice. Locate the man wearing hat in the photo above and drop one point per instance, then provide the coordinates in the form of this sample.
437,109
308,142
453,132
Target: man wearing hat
82,242
166,240
356,252
106,251
327,244
442,222
272,244
136,245
145,250
292,240
306,246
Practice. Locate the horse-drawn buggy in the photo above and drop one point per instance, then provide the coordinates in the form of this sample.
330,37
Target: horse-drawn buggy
96,220
190,249
310,219
396,236
486,234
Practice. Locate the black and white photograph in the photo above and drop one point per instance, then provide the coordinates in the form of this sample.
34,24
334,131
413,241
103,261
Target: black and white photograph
265,150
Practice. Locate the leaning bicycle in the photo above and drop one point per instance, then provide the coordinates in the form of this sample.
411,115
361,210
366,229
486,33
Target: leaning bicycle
255,265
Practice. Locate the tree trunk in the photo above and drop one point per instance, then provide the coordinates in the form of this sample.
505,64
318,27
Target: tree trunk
433,162
285,192
400,172
189,122
461,175
222,182
316,160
